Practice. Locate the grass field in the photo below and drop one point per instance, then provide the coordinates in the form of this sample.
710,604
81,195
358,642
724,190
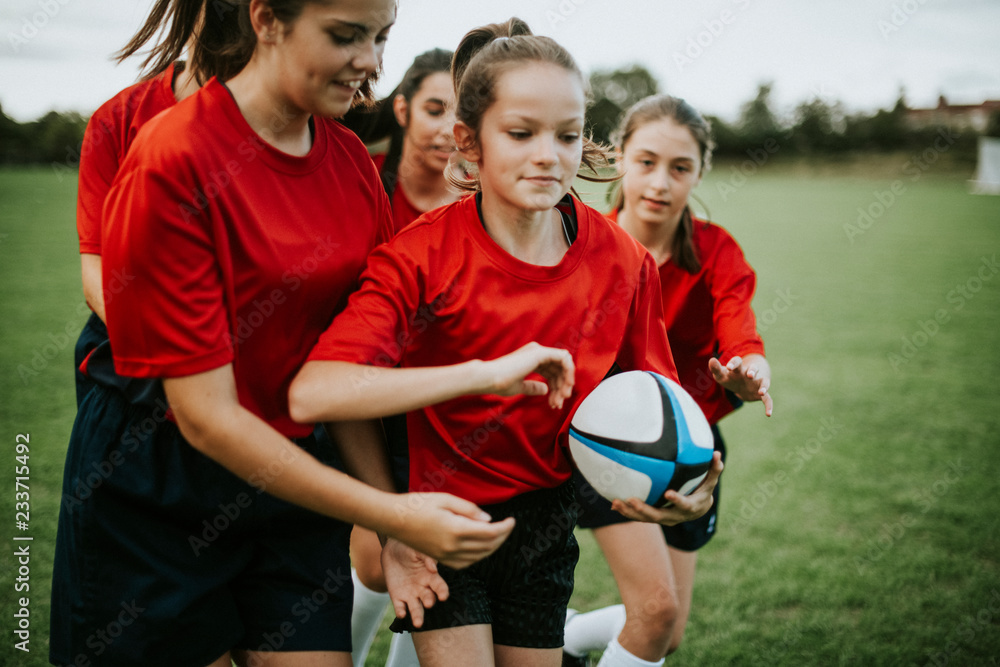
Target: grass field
860,525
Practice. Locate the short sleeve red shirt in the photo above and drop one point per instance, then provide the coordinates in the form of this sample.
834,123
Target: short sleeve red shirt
110,131
231,251
443,292
709,314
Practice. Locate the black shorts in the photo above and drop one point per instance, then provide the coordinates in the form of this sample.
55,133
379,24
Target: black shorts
93,334
596,512
164,557
522,589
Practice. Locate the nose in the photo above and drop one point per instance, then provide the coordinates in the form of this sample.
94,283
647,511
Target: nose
545,150
368,56
659,180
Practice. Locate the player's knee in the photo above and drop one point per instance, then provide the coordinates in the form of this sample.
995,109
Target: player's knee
655,619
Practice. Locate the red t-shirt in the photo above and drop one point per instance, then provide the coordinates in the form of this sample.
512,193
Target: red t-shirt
708,314
403,211
234,251
443,292
110,132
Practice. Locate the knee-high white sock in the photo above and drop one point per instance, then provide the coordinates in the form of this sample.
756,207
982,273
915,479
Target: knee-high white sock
369,607
616,656
593,630
402,652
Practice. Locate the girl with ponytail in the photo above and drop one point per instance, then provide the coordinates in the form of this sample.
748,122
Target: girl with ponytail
202,521
664,147
486,321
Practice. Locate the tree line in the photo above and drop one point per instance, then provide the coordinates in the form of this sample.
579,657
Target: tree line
816,127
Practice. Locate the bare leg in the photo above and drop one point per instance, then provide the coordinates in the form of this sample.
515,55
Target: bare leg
684,563
639,560
466,645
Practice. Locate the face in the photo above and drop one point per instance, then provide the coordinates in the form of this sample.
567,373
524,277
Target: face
322,57
429,118
530,139
661,163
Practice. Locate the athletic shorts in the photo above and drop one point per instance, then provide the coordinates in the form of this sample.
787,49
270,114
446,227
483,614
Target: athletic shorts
93,334
596,512
164,557
522,589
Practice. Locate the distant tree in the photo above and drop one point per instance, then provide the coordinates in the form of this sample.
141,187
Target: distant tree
758,122
57,137
612,92
12,140
818,127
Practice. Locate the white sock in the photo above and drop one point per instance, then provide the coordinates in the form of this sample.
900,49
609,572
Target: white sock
616,656
402,652
369,607
593,630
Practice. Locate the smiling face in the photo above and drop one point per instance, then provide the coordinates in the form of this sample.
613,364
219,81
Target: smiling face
323,56
429,118
530,139
661,163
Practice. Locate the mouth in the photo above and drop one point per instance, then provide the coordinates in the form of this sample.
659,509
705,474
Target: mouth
655,203
543,181
349,85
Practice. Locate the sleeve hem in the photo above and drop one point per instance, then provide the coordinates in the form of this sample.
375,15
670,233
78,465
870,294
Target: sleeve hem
175,368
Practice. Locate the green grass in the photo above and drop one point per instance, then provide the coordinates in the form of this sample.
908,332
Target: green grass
860,525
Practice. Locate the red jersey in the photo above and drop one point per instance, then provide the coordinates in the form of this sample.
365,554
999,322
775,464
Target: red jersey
443,292
234,251
110,132
708,314
403,211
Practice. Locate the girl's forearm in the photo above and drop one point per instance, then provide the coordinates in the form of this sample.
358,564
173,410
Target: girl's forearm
338,390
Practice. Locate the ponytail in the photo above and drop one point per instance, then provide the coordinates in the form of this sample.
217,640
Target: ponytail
182,16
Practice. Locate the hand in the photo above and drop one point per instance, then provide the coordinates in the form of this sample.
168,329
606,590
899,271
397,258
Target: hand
507,374
748,377
681,508
450,530
413,581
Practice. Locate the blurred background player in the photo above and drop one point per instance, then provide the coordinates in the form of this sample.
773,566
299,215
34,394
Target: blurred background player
474,301
707,286
110,131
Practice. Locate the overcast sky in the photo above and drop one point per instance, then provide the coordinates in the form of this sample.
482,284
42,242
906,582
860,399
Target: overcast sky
55,53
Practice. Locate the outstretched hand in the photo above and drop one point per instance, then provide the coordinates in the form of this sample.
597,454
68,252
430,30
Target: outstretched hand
680,508
748,377
507,374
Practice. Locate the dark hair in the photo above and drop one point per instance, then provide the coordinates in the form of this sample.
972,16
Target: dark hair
659,107
379,121
224,42
487,52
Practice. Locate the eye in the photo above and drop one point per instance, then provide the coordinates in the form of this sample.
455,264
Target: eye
518,135
570,137
648,164
343,40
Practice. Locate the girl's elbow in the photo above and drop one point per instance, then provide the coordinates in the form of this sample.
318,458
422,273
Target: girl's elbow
300,407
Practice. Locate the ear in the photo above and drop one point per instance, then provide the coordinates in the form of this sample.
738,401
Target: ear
265,24
401,110
465,140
